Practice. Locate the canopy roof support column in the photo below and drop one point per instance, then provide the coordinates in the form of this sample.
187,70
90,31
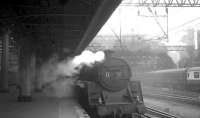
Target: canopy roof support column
4,62
27,74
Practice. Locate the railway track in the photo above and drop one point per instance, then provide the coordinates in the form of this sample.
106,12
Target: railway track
154,113
151,113
173,97
174,92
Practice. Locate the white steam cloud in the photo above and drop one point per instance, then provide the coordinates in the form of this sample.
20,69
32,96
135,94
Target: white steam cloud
175,56
178,40
87,57
57,77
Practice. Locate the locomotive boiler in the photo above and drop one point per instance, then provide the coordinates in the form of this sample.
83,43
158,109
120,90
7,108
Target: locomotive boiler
105,90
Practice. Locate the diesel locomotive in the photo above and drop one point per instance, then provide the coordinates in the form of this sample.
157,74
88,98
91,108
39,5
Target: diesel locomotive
105,90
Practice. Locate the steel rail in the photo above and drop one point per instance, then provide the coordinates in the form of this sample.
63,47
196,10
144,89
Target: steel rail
154,112
186,99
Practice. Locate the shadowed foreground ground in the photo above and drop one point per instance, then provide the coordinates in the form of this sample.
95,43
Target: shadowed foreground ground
40,107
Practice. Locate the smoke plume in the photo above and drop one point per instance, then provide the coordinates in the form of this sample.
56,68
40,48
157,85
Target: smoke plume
175,56
57,77
184,38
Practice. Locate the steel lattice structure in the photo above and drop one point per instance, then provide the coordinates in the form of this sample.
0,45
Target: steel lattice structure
163,3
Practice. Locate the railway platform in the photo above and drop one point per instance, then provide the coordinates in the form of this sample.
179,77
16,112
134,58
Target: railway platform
41,107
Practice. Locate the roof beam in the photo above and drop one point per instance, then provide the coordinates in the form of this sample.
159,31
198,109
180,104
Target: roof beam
102,14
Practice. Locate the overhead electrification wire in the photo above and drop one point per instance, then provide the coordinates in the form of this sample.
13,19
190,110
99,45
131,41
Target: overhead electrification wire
182,25
115,34
157,21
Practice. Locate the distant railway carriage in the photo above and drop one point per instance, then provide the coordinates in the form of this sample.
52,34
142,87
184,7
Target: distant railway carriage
183,78
193,79
193,75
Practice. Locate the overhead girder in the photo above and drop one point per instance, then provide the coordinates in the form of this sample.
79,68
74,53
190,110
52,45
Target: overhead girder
162,3
52,28
51,18
18,12
68,27
14,10
55,20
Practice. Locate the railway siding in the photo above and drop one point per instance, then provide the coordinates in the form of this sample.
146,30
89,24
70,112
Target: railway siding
154,113
194,100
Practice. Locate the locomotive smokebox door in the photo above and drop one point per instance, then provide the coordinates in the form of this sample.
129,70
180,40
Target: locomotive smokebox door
114,74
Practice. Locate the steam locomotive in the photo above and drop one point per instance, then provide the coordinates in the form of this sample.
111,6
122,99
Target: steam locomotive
105,90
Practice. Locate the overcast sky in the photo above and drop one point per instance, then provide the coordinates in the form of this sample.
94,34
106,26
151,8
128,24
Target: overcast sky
130,22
